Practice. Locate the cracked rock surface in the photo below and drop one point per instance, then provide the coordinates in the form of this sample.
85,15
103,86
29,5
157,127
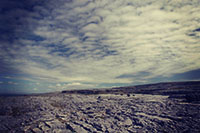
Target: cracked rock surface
109,113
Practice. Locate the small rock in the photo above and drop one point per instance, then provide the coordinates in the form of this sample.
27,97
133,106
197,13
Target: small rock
69,127
45,129
88,108
60,131
48,124
55,124
98,127
36,130
128,122
40,124
108,111
26,128
79,129
137,126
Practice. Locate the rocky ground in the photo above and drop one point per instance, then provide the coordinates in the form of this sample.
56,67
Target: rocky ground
111,113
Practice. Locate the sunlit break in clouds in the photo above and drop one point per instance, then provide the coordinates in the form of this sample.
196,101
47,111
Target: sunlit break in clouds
75,44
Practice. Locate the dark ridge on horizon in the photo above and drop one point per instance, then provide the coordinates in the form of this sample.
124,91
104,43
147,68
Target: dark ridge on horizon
188,90
142,88
143,85
174,89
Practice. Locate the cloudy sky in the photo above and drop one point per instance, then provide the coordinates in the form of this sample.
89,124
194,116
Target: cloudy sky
73,44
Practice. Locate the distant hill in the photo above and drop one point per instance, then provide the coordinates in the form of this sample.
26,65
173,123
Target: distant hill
189,90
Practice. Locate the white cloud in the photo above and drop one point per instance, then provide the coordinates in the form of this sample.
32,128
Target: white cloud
92,42
58,85
35,89
77,85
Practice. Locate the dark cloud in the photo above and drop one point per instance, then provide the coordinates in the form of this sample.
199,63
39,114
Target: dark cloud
13,21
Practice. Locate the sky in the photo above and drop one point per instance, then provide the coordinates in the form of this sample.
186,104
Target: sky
57,45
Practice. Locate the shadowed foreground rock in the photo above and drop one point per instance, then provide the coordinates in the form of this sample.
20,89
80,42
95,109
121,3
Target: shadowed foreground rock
111,113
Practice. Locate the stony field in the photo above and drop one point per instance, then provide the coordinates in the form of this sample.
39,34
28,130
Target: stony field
93,113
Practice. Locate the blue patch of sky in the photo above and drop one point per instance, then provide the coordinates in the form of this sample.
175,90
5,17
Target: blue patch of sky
194,33
138,75
32,37
196,30
61,50
40,60
190,75
12,85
